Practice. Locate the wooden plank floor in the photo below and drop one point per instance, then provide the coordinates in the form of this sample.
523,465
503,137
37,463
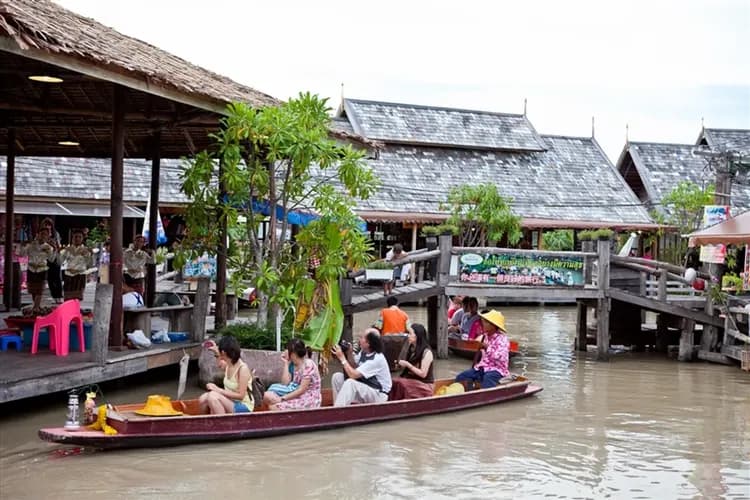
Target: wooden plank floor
23,375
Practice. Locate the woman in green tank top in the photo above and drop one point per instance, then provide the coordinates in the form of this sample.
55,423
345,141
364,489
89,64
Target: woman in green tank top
237,394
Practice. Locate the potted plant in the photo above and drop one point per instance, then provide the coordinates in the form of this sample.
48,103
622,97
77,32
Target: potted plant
431,234
379,270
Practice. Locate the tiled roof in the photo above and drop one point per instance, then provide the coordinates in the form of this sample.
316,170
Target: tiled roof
89,179
724,139
662,166
573,180
446,127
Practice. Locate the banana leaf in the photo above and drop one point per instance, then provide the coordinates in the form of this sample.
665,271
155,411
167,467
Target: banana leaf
325,327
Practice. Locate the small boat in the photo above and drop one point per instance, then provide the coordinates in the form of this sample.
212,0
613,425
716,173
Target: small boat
136,431
468,348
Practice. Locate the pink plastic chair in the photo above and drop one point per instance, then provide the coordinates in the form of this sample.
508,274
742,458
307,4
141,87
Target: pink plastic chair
58,325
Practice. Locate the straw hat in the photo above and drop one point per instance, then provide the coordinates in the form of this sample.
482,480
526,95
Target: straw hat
158,406
494,317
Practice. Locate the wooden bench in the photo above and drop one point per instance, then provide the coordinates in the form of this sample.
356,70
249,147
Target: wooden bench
180,318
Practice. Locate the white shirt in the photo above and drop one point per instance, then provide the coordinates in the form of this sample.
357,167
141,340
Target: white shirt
132,300
377,367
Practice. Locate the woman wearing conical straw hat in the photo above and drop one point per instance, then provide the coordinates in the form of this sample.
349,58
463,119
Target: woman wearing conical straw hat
493,363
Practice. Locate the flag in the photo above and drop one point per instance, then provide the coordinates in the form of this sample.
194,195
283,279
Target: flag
161,235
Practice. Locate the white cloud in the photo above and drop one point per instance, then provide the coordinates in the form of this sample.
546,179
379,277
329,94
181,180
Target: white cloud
657,65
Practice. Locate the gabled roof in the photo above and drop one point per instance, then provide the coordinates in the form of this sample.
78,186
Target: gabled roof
660,168
47,27
88,179
571,181
442,127
725,139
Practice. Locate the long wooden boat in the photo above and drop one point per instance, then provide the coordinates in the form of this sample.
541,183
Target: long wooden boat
135,431
468,348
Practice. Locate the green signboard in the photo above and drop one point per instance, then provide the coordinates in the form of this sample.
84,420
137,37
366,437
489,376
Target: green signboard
521,269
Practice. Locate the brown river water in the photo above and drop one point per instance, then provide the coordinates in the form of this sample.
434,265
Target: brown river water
639,426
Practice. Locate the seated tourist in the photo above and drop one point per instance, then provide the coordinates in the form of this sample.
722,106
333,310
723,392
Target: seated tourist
131,298
455,304
237,394
392,319
306,393
287,384
369,381
493,363
463,321
416,381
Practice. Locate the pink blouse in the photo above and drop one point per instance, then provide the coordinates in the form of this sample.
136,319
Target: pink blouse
495,356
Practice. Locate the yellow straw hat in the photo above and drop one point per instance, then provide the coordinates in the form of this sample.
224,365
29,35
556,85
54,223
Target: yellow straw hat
494,317
158,406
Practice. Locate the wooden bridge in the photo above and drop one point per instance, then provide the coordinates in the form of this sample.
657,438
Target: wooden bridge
616,289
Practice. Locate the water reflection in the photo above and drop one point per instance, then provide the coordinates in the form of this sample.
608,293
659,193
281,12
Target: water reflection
639,426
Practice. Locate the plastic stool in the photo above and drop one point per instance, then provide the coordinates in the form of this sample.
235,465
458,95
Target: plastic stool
6,340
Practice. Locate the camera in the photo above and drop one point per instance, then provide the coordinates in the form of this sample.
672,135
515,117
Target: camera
345,346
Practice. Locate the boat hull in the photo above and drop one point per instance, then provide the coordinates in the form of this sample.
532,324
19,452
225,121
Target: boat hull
170,431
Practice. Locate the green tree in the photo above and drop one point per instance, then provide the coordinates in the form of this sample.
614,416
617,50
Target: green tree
683,206
559,240
480,215
276,156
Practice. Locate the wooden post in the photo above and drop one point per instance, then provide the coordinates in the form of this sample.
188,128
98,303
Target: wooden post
445,244
345,292
662,333
603,303
686,340
10,223
414,230
152,217
588,264
662,284
709,335
221,259
582,326
433,310
102,312
200,309
116,250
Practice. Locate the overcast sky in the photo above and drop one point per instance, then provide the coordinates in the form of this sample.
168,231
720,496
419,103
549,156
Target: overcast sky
657,66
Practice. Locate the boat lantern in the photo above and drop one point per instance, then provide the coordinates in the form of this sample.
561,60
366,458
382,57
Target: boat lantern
71,423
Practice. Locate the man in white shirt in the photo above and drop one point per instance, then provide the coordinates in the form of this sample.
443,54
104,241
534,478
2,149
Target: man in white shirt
369,381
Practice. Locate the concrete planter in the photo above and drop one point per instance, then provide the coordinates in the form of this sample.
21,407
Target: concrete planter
379,274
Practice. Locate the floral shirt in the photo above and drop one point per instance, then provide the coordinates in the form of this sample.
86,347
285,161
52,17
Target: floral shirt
311,398
495,356
76,259
39,254
135,262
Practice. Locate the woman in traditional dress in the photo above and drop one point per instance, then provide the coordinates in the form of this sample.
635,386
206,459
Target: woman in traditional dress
76,259
417,379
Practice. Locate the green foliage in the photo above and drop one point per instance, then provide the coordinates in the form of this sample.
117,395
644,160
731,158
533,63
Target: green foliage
430,231
380,264
251,336
480,215
603,234
560,240
283,156
160,256
440,229
685,203
731,280
586,235
99,233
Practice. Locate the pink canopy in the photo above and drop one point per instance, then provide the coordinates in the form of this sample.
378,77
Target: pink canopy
732,231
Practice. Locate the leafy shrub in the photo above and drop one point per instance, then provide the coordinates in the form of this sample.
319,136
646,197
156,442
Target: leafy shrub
380,264
586,235
250,336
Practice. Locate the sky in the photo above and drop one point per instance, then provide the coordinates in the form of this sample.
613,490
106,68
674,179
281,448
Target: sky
651,71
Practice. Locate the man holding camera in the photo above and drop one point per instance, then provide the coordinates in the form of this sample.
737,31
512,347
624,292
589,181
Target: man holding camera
370,380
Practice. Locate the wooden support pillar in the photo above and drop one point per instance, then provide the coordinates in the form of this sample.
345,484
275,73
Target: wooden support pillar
662,333
200,308
588,263
710,333
116,250
603,303
153,216
662,285
582,326
414,230
686,340
102,312
445,244
221,259
433,310
10,223
346,286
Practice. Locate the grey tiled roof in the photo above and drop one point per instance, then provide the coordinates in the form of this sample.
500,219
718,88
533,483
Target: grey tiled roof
662,167
573,180
724,139
87,179
422,125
